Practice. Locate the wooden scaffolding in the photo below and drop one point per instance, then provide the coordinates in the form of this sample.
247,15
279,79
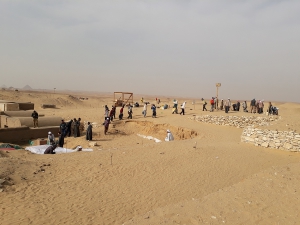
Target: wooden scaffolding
123,98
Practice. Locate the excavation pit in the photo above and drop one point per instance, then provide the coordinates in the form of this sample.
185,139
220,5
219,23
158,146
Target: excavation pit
158,131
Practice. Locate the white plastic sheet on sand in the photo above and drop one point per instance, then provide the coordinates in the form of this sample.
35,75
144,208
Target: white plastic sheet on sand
40,149
149,138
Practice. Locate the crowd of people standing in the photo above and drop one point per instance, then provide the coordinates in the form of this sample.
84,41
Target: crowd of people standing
72,127
256,106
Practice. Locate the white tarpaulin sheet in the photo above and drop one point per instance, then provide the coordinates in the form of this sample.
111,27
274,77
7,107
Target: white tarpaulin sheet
149,138
41,148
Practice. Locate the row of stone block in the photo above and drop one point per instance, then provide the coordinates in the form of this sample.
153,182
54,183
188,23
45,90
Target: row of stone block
283,140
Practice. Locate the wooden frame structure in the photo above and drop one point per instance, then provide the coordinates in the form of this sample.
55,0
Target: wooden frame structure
124,99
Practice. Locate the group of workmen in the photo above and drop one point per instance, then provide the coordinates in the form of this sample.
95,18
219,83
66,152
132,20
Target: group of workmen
256,106
66,129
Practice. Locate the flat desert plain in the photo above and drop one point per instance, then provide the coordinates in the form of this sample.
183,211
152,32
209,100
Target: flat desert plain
128,179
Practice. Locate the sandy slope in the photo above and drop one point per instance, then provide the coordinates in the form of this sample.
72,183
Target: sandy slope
131,180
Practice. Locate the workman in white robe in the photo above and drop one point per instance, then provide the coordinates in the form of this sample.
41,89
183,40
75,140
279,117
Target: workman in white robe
169,136
145,109
51,138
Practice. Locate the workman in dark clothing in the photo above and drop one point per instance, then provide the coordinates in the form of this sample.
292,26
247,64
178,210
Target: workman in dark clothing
35,117
78,126
75,128
89,132
121,113
61,139
111,114
69,126
234,107
253,106
153,107
238,105
129,112
114,111
50,149
106,125
63,127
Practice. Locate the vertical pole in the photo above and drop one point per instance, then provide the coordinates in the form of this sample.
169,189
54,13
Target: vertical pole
217,107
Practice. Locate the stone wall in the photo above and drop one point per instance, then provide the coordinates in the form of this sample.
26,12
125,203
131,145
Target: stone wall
283,140
26,106
28,121
236,121
24,134
45,106
3,121
19,113
9,106
6,121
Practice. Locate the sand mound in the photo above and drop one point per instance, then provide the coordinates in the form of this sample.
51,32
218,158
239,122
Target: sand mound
286,105
10,172
241,203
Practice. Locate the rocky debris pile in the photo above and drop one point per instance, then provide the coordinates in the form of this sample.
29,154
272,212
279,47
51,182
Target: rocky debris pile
7,181
93,144
236,121
283,140
42,169
45,106
2,181
73,97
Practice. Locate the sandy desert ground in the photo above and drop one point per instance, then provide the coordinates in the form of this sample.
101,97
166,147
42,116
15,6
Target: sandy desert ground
131,180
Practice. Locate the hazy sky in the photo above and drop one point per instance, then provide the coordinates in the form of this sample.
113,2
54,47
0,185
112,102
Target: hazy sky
162,47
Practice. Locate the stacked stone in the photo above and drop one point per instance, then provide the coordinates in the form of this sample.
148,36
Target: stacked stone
283,140
236,121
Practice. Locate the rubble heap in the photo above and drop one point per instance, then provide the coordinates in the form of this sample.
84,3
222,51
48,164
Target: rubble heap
236,121
283,140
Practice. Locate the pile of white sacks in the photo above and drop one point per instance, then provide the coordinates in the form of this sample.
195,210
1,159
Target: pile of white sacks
283,140
236,121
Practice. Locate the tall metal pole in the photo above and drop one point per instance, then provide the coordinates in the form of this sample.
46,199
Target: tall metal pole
218,85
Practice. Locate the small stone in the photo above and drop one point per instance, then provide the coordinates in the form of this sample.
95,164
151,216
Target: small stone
287,146
92,144
2,181
265,144
1,190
